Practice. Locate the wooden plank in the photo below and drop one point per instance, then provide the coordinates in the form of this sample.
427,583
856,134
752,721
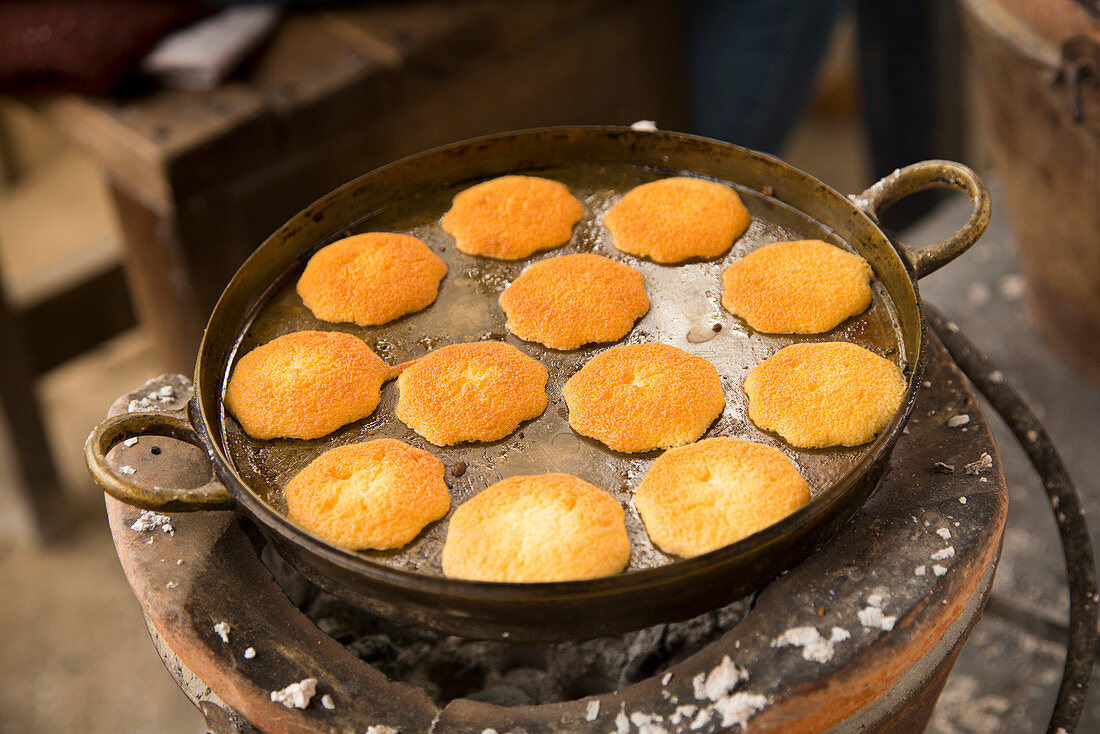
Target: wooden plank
316,80
163,287
142,143
78,318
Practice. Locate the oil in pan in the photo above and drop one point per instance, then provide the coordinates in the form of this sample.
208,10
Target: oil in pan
685,311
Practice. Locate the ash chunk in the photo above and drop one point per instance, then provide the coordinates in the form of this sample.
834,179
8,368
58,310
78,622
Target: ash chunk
296,695
985,461
958,420
943,555
222,629
873,617
815,647
944,533
720,681
150,520
382,729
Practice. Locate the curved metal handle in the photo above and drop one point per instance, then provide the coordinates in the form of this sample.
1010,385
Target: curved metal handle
932,175
211,496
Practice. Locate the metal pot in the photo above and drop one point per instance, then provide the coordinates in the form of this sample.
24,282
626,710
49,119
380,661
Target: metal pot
567,610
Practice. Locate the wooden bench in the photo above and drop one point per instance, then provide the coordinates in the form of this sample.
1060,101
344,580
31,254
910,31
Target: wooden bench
199,179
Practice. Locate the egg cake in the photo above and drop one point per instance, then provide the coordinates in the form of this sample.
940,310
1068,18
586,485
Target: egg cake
305,385
676,219
642,397
568,301
824,394
373,495
512,217
371,279
548,527
478,391
714,492
803,287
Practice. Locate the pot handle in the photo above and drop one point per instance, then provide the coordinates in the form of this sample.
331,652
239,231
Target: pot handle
932,175
211,496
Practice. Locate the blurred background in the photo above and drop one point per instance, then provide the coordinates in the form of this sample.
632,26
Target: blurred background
147,148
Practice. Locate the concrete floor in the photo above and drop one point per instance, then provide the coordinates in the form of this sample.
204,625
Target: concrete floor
76,655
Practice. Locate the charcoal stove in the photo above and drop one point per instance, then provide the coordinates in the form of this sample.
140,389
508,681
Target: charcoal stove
860,637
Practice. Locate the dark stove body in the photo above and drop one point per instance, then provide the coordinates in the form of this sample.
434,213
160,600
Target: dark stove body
892,554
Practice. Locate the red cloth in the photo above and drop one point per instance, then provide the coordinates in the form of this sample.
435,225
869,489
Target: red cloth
83,45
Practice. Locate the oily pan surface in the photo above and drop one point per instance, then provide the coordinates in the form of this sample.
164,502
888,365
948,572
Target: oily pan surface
685,305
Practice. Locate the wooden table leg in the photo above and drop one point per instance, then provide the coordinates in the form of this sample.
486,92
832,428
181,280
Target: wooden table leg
162,287
44,508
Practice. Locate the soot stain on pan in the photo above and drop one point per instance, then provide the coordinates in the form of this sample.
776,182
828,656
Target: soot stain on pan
685,302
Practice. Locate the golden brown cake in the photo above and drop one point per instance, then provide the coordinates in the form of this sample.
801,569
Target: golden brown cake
305,385
374,495
549,527
370,279
803,287
827,394
480,391
512,217
568,301
677,219
714,492
644,396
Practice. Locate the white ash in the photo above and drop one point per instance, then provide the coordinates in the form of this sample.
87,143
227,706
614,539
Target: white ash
130,442
327,702
296,695
944,554
171,585
1032,436
682,713
179,562
958,420
167,392
985,461
666,679
622,724
647,723
875,600
592,711
127,469
920,570
721,680
944,533
952,327
383,729
249,653
939,570
815,647
962,500
926,384
644,126
150,520
873,617
996,377
222,628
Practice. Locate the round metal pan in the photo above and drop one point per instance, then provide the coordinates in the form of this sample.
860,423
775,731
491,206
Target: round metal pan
598,164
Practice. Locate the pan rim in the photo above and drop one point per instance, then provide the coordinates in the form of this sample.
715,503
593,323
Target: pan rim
634,581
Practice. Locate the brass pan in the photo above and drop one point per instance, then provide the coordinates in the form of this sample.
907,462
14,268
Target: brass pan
598,164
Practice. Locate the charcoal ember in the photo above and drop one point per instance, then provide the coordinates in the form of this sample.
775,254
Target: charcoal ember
505,674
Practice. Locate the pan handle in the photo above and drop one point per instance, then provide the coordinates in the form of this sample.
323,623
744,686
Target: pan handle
932,175
211,496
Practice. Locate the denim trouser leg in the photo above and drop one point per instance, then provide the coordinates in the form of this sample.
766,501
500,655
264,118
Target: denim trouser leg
752,64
